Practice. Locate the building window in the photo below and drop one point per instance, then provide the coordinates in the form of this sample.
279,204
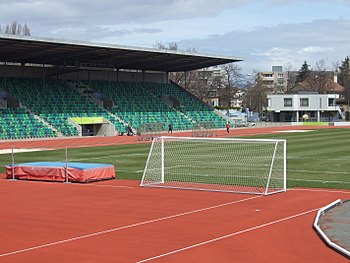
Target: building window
331,102
288,102
267,75
304,102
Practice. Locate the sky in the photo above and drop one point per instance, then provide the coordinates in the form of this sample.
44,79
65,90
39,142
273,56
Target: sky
264,33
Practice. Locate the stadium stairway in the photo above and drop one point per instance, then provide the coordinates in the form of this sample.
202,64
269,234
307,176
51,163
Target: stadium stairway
84,89
188,104
54,101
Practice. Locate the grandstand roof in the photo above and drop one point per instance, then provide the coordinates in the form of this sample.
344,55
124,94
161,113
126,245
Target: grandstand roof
24,49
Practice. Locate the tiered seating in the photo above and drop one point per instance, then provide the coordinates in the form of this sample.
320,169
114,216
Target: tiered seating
55,102
134,103
189,105
17,123
137,106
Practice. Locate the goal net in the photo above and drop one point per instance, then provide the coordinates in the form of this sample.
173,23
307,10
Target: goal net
255,166
150,130
203,129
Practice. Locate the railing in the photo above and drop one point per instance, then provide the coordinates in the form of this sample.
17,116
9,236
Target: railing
330,243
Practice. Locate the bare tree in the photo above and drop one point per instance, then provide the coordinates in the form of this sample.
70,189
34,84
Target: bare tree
26,30
231,80
336,66
16,28
169,46
290,80
232,75
177,77
197,82
255,97
172,46
318,79
226,95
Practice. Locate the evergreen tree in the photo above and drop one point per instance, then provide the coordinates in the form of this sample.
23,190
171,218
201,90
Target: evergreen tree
344,73
344,77
304,72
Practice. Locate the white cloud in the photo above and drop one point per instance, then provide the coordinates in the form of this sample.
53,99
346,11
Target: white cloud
273,52
110,11
315,49
283,44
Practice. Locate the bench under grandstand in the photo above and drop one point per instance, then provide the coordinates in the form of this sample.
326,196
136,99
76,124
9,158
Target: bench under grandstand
38,108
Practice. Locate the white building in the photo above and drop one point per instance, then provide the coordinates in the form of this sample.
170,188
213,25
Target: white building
291,107
237,100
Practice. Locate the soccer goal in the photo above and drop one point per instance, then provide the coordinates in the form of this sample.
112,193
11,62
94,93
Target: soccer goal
203,129
255,166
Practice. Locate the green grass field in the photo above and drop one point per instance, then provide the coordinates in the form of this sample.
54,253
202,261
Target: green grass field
319,158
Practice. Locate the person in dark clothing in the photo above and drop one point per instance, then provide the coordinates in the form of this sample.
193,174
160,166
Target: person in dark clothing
130,131
170,128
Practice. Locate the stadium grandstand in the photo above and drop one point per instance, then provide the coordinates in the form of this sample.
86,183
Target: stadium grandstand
60,88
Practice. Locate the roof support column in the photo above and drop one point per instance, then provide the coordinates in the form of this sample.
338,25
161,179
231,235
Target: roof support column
143,78
5,75
166,77
43,75
77,64
22,70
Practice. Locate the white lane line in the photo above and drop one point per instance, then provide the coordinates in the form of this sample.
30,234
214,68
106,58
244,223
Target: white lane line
320,190
230,235
125,227
63,183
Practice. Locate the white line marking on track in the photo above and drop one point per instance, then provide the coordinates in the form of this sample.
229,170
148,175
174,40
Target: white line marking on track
106,157
320,190
74,184
318,181
113,186
125,227
230,235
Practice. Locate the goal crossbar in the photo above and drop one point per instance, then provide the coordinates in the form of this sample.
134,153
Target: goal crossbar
255,166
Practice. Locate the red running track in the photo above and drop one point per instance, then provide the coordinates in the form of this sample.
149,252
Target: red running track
117,221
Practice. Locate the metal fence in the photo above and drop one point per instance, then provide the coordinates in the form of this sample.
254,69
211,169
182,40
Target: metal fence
148,131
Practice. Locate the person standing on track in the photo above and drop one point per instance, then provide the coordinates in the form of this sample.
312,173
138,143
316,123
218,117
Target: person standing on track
170,128
130,132
228,126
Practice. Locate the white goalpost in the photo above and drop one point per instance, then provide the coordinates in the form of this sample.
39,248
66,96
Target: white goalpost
254,166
